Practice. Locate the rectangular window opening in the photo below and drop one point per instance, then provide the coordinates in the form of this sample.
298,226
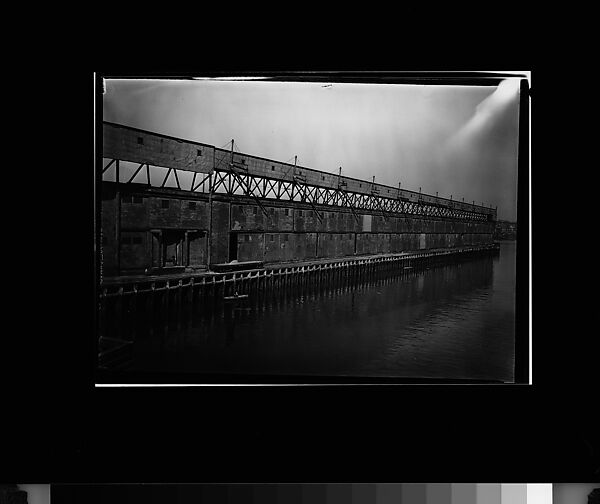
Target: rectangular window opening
164,203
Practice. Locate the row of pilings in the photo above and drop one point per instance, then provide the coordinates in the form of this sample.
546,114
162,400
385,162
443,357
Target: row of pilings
148,307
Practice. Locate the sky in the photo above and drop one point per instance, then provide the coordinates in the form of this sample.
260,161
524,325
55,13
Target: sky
456,140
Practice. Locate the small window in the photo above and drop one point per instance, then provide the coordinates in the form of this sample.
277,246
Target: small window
247,238
310,213
165,203
254,210
243,161
272,167
138,199
271,211
126,240
300,213
137,240
140,141
199,152
287,211
285,237
192,205
271,238
323,177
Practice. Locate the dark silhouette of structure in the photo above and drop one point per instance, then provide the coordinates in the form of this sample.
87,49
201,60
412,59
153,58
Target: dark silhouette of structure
11,494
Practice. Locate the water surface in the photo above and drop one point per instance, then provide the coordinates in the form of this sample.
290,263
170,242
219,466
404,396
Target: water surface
449,322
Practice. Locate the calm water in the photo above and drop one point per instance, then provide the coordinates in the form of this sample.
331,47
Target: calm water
454,321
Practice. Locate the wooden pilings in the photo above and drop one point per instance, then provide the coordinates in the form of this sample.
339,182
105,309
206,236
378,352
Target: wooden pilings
129,311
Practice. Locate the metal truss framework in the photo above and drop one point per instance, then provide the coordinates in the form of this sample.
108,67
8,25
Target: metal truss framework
234,181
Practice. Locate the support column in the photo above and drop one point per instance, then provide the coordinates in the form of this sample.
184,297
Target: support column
209,237
161,250
186,259
157,249
118,221
180,250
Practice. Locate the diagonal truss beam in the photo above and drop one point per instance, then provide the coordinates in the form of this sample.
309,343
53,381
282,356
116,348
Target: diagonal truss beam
385,217
348,203
199,183
246,188
136,172
108,165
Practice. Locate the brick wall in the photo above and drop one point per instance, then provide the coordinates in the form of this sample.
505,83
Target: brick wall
285,233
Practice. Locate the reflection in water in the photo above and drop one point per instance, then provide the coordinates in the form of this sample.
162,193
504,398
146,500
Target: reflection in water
454,321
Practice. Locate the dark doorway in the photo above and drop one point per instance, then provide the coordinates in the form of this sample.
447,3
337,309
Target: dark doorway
173,242
233,246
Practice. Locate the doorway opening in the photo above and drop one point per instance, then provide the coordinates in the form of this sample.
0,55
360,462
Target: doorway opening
172,250
233,247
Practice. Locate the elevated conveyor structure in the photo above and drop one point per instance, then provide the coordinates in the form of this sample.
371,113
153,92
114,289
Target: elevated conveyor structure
238,206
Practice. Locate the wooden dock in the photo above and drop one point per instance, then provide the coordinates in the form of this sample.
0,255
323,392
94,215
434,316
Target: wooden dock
124,300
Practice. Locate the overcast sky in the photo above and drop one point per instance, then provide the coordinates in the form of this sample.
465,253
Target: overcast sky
457,140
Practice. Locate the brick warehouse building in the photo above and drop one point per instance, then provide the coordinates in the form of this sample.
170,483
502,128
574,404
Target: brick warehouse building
248,208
